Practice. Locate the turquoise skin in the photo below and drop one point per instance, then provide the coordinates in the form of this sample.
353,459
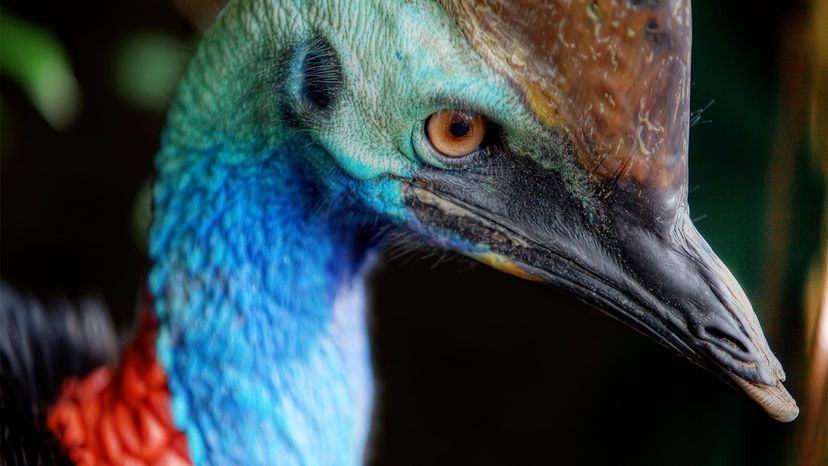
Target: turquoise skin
260,219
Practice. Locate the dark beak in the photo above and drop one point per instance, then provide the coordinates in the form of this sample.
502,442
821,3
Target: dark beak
654,272
595,201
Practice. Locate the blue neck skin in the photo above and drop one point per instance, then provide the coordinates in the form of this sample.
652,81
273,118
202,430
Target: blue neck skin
258,282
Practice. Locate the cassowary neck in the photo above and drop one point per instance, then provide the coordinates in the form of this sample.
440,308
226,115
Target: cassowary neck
258,282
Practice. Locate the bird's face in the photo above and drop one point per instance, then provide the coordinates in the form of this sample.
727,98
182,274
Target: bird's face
546,139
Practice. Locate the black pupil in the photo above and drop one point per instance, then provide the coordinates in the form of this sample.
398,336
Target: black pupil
459,129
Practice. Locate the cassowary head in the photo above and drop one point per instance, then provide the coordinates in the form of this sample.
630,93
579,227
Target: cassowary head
548,139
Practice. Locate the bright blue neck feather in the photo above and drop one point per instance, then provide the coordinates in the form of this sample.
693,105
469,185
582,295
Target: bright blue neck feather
258,283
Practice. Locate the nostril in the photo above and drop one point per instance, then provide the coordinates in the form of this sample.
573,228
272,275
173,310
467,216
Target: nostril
728,341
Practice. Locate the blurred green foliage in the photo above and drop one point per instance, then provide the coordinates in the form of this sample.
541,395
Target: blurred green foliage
147,67
34,58
142,215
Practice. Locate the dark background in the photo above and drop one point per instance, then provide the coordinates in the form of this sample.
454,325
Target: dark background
473,366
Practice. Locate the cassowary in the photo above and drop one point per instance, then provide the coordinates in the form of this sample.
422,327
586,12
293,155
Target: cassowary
547,139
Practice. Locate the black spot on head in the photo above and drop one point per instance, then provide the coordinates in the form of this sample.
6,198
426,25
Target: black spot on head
653,32
644,3
321,74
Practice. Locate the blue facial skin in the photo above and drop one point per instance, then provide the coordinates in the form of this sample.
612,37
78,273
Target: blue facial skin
267,213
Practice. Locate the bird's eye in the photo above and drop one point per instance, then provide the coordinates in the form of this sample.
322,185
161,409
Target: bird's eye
456,133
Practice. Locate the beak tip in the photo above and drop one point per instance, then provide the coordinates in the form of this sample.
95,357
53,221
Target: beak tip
787,415
774,399
794,413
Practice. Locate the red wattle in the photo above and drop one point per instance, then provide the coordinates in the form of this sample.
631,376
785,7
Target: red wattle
121,416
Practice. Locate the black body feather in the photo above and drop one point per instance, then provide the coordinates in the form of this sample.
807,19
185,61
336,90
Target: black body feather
40,346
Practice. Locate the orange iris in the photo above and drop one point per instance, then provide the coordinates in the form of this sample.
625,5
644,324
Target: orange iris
455,133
